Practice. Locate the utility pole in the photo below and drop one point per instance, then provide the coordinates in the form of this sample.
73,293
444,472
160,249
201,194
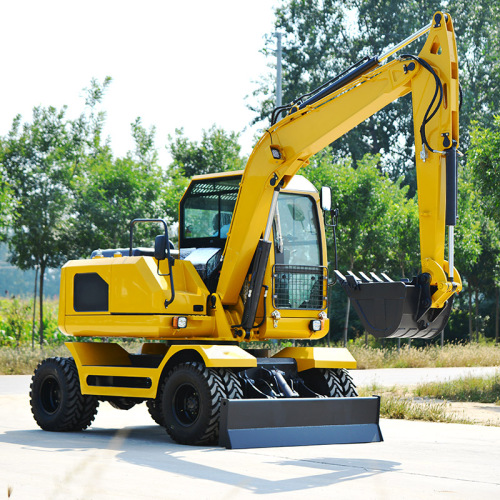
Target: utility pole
278,68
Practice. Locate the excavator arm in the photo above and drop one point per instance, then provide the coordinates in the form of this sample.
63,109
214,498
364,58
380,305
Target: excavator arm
432,79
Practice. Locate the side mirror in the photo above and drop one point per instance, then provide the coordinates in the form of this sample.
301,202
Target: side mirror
160,247
325,197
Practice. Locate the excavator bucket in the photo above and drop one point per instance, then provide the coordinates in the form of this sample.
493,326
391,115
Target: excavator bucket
259,423
395,309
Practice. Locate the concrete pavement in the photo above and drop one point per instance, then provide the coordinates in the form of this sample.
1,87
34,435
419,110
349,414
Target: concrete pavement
124,455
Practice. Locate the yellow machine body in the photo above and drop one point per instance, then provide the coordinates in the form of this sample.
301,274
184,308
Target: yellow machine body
133,291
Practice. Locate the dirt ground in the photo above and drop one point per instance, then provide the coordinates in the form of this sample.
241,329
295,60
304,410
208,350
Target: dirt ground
480,413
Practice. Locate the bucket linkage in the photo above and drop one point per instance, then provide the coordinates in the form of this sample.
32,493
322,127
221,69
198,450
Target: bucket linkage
395,309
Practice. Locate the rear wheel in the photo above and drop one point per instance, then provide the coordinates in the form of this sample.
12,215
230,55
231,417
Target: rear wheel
56,401
154,409
191,398
231,383
345,381
323,382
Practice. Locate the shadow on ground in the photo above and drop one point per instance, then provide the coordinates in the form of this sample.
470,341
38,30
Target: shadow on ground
256,470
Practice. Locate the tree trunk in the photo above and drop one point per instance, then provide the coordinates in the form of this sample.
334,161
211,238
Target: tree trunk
34,310
470,311
42,274
497,294
476,312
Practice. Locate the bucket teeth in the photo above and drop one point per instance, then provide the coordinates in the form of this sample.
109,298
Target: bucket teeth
340,276
352,280
364,277
376,278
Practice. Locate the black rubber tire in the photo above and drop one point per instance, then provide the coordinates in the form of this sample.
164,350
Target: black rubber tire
88,411
323,382
346,384
56,401
191,398
231,383
154,408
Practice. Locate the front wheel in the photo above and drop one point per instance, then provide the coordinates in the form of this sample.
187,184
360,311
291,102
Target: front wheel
56,401
191,398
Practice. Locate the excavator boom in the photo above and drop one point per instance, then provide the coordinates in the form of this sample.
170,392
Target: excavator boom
432,79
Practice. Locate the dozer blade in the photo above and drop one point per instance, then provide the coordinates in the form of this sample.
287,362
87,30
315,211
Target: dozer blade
262,423
394,309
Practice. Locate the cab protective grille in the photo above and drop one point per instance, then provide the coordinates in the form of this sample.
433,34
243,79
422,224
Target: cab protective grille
299,287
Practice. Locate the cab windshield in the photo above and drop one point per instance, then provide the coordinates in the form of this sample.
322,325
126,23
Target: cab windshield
207,211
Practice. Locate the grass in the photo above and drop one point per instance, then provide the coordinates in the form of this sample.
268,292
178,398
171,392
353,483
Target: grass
401,408
402,403
426,357
23,360
469,389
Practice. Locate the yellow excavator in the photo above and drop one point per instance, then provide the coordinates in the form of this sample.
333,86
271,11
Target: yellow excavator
251,266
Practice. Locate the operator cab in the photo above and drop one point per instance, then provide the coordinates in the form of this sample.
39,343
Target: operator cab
206,212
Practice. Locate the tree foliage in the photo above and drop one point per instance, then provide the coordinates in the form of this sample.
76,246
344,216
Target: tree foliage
218,151
484,157
39,160
111,192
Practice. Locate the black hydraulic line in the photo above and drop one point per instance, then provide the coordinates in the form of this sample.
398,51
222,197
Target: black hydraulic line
261,258
341,82
264,317
335,216
332,85
438,90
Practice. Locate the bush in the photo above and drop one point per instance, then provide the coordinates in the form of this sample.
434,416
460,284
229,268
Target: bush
16,323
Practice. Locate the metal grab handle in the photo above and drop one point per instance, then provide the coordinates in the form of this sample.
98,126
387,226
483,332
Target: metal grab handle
169,257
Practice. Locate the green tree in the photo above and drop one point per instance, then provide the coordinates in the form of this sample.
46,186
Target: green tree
111,192
6,205
484,157
218,151
484,169
40,160
378,224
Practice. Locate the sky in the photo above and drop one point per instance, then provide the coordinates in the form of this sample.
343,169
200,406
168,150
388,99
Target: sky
176,64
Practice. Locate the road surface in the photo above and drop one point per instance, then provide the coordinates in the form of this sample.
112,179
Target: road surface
124,455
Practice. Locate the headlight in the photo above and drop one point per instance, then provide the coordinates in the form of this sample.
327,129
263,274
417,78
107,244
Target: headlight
179,322
316,325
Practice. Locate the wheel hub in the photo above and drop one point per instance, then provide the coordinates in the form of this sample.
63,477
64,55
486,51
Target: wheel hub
50,395
186,404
